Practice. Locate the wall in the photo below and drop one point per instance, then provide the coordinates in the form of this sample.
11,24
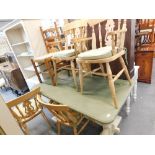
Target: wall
7,121
4,47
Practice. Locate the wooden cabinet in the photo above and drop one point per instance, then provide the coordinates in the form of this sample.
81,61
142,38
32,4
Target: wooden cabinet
144,59
13,77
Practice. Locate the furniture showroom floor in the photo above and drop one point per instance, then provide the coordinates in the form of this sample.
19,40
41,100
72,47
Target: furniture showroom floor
141,120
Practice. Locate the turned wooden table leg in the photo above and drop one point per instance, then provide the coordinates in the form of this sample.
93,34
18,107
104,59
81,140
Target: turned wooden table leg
135,91
112,128
128,101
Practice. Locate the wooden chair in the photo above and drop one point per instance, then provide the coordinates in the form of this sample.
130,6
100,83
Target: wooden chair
52,38
105,55
25,108
43,66
75,42
65,116
145,36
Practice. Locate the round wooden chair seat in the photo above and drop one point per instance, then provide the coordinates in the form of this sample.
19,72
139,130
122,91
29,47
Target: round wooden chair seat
99,53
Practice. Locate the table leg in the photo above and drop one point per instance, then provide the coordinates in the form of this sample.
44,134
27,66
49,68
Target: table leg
112,128
128,101
135,92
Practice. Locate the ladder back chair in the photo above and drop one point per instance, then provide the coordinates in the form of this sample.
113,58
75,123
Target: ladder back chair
44,68
52,37
65,116
105,55
75,42
25,108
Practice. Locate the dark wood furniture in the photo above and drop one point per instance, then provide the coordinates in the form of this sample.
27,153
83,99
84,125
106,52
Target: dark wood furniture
145,35
144,59
13,77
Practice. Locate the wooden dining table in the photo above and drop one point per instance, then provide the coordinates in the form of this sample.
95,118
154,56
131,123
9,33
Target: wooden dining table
96,103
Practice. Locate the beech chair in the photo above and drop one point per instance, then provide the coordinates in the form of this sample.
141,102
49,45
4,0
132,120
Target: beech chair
65,116
145,36
52,37
25,108
104,56
75,43
43,67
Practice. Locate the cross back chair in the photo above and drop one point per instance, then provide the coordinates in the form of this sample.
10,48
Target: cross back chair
105,55
146,34
65,116
75,42
25,108
52,37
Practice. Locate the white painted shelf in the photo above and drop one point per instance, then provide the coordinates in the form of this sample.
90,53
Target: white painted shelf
25,54
30,68
21,43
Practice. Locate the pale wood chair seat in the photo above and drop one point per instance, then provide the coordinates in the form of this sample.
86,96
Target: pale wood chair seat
99,53
64,53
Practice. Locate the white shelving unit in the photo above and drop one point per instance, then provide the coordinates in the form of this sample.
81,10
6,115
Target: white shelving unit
25,40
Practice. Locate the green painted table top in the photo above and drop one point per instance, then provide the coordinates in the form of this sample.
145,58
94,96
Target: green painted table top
96,101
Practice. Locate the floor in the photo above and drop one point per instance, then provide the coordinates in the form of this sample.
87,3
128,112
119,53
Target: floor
141,120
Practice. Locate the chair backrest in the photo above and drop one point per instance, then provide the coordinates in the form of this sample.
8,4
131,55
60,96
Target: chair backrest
74,32
112,38
92,23
51,35
25,106
63,113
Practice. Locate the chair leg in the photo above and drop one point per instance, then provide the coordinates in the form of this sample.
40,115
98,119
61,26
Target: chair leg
75,131
81,78
45,118
24,128
50,71
111,85
103,70
36,70
55,72
58,127
74,74
125,69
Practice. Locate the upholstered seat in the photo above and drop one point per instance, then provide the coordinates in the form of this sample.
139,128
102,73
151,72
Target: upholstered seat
42,58
99,53
64,53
